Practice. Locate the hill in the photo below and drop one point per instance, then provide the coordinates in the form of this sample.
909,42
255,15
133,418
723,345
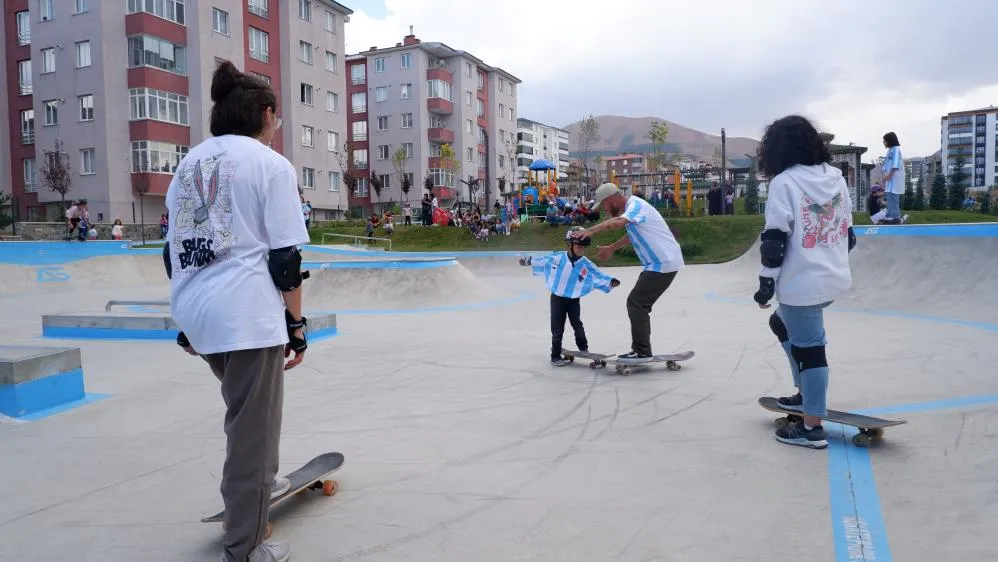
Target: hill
628,134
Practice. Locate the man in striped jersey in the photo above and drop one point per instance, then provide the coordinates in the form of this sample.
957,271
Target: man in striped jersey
569,276
655,246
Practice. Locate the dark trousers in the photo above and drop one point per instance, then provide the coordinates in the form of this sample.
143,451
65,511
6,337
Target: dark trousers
253,391
561,307
642,297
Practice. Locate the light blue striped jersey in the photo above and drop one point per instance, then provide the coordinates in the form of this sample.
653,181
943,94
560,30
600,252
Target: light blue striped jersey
894,160
651,238
565,279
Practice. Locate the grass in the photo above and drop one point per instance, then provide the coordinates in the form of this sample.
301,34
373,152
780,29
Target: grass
703,239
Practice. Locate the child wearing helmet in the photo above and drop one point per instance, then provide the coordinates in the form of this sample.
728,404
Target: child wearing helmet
569,275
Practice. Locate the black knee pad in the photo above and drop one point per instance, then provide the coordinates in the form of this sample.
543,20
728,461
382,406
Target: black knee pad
778,327
809,357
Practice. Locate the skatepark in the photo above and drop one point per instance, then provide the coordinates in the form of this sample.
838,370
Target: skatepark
463,443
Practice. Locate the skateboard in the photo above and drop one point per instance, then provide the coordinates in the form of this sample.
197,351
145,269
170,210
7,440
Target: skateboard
623,366
309,477
870,428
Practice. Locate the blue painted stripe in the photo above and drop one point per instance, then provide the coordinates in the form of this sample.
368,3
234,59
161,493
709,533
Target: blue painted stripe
90,333
964,230
21,399
380,264
521,297
857,522
42,414
935,405
453,255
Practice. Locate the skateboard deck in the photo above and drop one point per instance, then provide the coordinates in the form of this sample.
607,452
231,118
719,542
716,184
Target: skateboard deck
870,428
623,366
309,477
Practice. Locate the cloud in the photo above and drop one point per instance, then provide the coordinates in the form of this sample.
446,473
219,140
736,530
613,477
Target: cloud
859,69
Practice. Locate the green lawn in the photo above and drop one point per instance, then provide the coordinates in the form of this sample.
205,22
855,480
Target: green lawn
703,239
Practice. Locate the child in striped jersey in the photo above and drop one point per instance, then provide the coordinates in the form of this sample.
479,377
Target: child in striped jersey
569,276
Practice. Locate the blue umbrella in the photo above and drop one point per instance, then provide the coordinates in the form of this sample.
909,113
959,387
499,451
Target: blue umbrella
542,164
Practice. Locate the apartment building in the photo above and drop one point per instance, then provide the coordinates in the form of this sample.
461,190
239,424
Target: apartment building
537,141
414,98
974,135
125,87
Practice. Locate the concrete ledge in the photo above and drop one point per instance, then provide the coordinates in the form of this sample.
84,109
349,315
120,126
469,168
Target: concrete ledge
146,326
35,382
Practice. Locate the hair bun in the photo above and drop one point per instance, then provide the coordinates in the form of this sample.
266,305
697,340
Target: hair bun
225,80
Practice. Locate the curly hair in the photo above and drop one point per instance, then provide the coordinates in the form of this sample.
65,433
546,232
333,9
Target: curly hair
789,141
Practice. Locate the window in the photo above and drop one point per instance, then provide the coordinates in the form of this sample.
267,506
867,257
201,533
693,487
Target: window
86,107
330,22
332,101
511,114
259,44
502,111
481,107
437,122
467,98
386,181
379,64
502,85
468,126
24,78
48,60
306,51
467,69
361,188
157,105
82,7
308,178
382,152
502,162
406,59
406,120
259,8
469,154
146,50
332,141
408,149
305,10
27,126
481,81
382,122
51,112
219,21
83,54
23,28
172,10
360,159
406,91
306,94
437,88
381,93
45,7
330,61
359,102
307,134
157,157
87,156
28,165
359,130
334,180
358,74
443,178
263,77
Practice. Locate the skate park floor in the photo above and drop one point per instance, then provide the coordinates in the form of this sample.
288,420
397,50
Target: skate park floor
463,443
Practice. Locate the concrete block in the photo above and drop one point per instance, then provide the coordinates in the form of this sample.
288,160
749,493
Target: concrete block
34,379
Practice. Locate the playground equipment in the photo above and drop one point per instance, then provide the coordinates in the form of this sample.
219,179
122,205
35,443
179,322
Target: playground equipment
545,190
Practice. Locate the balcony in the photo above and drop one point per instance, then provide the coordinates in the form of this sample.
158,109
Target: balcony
258,10
439,106
440,73
23,38
28,137
26,88
440,134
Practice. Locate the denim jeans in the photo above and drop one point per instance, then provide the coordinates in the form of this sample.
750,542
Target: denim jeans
893,205
806,328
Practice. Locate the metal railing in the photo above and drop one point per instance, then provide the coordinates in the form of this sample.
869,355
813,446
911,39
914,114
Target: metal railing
356,239
110,304
28,137
23,38
26,88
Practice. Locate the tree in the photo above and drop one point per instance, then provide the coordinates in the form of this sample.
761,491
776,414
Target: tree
5,218
986,202
957,185
448,161
909,194
752,192
588,136
658,134
56,172
399,158
376,186
937,197
345,159
919,203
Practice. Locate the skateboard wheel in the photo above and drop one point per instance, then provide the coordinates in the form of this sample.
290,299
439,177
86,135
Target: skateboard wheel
876,433
673,366
593,364
571,359
861,440
329,487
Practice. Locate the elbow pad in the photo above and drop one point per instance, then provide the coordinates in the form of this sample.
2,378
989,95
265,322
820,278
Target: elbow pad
285,268
167,262
852,239
773,248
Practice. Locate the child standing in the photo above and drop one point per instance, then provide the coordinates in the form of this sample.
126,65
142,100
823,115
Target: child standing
118,230
569,276
805,249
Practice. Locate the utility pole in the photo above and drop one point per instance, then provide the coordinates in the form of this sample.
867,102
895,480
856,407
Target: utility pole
724,159
488,157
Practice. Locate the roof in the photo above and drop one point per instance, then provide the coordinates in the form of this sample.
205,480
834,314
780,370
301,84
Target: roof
989,109
526,121
441,50
338,6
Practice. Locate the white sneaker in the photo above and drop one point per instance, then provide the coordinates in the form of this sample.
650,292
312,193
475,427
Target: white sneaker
280,486
271,551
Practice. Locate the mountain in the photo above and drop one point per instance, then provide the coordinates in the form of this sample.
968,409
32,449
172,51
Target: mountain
629,134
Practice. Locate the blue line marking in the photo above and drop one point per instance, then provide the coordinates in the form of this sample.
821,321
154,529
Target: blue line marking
380,264
453,255
963,230
51,274
120,334
521,297
935,405
857,522
87,399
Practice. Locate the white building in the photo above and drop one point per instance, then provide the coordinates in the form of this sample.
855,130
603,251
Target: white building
973,135
537,141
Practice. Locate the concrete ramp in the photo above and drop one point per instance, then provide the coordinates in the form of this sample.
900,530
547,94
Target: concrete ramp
89,273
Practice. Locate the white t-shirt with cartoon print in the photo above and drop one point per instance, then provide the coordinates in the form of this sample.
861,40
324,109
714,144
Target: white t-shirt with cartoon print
232,200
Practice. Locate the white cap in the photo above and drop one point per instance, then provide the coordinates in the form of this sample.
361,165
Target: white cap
604,191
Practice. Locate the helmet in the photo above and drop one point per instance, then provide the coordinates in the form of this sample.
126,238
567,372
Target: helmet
569,239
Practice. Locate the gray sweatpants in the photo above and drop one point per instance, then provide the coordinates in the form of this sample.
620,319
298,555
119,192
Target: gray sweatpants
646,291
253,391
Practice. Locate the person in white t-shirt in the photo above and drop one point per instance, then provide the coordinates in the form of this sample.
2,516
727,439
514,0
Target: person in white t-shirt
655,246
804,251
235,292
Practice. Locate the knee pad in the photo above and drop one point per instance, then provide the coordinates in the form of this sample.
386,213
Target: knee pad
809,357
285,268
778,327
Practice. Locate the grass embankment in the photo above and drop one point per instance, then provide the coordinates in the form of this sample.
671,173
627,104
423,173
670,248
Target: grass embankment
703,239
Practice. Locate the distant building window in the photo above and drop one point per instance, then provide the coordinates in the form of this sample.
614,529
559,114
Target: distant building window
172,10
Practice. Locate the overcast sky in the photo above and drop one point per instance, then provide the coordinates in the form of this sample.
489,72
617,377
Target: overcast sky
857,68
